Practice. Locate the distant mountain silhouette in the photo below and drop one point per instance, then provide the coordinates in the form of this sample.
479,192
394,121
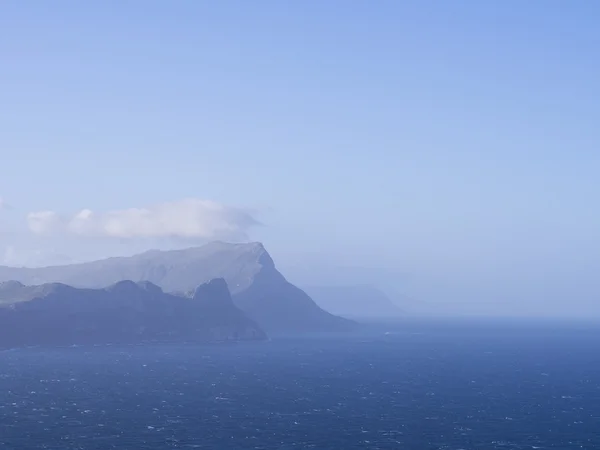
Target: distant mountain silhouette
360,301
257,287
125,312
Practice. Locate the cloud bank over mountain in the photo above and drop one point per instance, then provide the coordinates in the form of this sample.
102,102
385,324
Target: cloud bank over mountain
188,219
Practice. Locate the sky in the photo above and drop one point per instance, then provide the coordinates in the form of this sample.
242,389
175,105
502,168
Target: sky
448,150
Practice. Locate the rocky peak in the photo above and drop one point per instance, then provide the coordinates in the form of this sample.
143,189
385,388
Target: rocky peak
213,292
149,287
124,286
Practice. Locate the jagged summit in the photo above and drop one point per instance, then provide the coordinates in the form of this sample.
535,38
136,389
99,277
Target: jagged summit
215,288
256,286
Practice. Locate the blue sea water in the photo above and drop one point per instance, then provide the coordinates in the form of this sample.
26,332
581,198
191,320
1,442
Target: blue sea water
421,385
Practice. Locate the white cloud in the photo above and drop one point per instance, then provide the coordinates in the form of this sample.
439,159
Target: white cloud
44,222
189,218
3,204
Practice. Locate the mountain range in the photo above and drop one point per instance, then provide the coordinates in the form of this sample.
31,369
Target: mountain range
126,312
256,286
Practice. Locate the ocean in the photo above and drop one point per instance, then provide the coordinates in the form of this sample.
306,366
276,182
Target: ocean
412,385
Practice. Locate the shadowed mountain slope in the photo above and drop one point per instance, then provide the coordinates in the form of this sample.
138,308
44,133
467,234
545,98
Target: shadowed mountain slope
56,313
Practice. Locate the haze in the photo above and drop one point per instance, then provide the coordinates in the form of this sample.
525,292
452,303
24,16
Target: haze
443,151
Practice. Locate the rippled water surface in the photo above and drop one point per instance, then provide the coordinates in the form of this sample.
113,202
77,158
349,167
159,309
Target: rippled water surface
420,386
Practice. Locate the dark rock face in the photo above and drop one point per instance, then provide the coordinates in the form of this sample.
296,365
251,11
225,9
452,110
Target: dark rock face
273,301
256,286
126,312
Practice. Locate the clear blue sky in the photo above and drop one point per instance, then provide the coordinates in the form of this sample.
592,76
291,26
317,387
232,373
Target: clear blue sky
454,141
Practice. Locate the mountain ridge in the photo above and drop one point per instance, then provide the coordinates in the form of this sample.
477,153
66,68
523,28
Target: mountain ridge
256,286
125,312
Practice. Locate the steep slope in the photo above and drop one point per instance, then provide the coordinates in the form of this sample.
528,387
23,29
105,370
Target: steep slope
56,313
255,284
360,301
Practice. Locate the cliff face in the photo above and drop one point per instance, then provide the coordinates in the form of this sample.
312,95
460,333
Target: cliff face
257,287
223,318
124,312
271,300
